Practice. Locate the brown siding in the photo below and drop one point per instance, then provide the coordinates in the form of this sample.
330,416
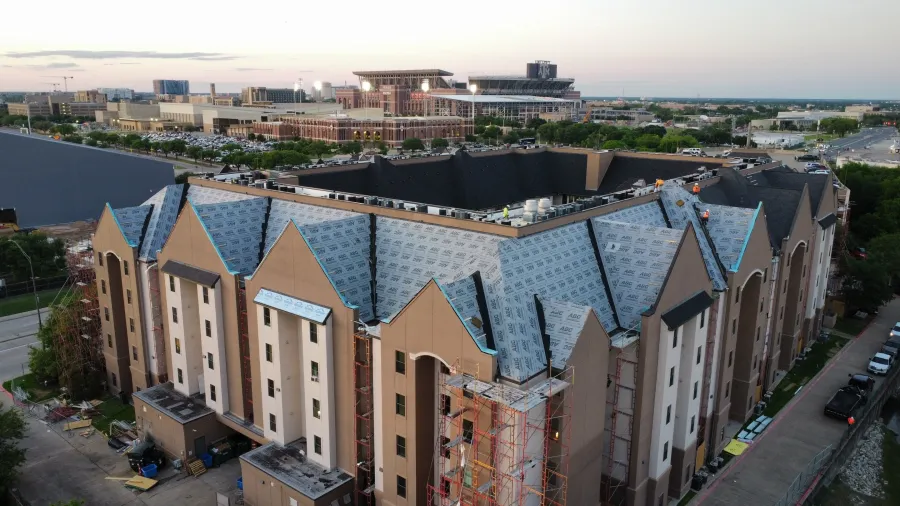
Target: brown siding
166,432
590,363
188,243
291,268
687,276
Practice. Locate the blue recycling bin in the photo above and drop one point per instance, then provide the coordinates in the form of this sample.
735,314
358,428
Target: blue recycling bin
207,460
241,483
149,471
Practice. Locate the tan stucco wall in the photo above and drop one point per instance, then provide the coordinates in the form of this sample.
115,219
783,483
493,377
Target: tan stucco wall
189,244
261,489
166,432
291,268
687,276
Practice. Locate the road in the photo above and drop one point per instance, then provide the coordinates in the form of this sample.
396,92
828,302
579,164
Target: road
17,333
800,431
860,140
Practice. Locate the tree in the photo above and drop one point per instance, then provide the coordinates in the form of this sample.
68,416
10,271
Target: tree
439,143
194,152
866,283
74,139
492,132
654,130
535,123
647,142
615,145
413,144
839,126
382,148
351,148
471,138
64,129
671,143
165,147
91,142
12,431
178,146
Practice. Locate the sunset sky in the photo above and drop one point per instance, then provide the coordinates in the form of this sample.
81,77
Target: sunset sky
710,48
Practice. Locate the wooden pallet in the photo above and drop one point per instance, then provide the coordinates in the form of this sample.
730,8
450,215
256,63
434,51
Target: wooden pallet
196,467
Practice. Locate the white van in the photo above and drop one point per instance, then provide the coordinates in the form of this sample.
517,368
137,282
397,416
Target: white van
691,151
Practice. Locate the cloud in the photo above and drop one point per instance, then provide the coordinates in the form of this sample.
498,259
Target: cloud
250,69
107,55
67,66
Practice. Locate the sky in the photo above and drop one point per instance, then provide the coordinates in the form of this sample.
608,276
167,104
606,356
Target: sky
692,48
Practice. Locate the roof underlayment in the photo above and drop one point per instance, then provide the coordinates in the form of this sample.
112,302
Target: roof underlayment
131,222
236,230
678,204
563,322
463,296
729,228
643,214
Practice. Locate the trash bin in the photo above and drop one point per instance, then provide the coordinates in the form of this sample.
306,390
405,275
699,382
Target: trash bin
149,471
207,460
240,483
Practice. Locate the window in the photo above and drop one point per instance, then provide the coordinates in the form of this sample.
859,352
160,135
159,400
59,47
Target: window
468,430
210,362
468,394
273,426
134,353
754,361
400,405
171,283
128,296
444,442
103,286
445,404
109,340
696,384
699,353
668,414
666,451
115,382
765,275
268,352
314,368
737,295
785,285
180,377
671,376
317,408
675,339
317,445
178,346
730,357
212,392
313,333
401,446
401,486
131,324
125,266
733,325
106,313
100,259
208,328
175,314
267,317
781,313
271,385
205,295
760,306
702,318
757,333
727,389
400,362
692,425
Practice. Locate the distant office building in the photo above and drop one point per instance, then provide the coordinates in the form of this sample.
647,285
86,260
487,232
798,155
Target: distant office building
396,92
264,96
171,87
95,96
540,79
612,114
113,94
391,131
57,104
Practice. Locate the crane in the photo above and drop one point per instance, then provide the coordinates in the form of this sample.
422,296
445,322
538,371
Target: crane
55,86
65,80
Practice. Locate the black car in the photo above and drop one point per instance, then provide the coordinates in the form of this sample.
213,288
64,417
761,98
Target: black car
806,158
144,454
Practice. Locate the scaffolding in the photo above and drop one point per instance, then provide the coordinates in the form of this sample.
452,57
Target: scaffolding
620,409
159,336
501,445
363,416
77,343
244,348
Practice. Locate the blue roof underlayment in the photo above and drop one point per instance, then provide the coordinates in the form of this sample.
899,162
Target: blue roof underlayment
301,308
462,295
729,228
131,222
643,214
165,211
563,322
236,230
678,204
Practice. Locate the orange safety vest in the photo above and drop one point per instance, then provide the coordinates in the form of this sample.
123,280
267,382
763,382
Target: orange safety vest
705,215
696,188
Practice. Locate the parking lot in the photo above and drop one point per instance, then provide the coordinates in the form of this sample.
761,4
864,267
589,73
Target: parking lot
763,473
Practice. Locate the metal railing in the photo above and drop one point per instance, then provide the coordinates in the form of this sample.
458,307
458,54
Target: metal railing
803,480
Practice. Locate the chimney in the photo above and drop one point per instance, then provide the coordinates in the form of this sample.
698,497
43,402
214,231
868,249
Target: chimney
212,90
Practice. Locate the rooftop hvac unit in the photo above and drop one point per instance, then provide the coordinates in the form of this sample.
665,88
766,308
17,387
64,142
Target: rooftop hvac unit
388,203
442,212
371,201
544,205
399,205
341,196
422,208
332,196
542,217
578,206
531,206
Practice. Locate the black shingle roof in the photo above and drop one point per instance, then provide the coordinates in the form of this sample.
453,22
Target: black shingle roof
787,178
51,182
625,171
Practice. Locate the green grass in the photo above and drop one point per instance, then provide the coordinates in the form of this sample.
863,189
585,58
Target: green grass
36,391
852,326
687,498
22,303
112,409
802,373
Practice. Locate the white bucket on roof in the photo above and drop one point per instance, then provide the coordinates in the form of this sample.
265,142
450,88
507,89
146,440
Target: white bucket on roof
531,206
544,205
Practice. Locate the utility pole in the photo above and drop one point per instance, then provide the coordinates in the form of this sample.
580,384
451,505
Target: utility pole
37,304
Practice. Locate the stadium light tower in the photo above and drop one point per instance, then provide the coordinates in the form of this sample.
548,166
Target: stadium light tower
366,86
474,89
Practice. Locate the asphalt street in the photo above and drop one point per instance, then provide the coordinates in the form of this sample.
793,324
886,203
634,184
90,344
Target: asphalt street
860,140
17,333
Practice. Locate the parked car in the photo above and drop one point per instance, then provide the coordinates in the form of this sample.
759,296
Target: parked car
880,363
806,158
895,331
144,454
892,344
863,382
845,402
889,350
859,253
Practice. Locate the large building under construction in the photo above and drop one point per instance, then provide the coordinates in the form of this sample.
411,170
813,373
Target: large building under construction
438,331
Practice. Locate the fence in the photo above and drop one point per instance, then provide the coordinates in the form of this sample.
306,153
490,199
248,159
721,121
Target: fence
827,464
25,287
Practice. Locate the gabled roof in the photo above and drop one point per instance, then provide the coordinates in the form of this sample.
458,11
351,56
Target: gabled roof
166,204
644,214
679,207
563,323
463,297
636,259
130,221
729,228
236,230
788,179
283,211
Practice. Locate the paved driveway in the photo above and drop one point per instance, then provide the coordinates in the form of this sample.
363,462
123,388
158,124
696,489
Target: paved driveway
766,470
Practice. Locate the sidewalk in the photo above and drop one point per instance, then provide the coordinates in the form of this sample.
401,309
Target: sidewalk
800,431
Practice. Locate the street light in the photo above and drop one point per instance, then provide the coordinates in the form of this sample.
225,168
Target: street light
425,88
366,86
473,88
298,85
37,304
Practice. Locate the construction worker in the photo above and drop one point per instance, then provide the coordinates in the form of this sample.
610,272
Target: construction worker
705,216
505,212
696,189
659,184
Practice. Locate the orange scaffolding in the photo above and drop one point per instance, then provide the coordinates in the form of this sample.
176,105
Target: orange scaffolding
501,445
363,414
619,406
78,347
